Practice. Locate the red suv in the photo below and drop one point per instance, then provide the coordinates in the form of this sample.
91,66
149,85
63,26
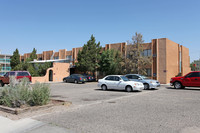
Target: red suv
18,74
191,79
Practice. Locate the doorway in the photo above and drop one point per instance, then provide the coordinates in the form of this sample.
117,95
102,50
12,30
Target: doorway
50,75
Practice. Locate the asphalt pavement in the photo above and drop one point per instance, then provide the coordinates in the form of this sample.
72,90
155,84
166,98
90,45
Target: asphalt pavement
165,110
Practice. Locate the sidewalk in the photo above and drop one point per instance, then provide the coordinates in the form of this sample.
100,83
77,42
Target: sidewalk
28,125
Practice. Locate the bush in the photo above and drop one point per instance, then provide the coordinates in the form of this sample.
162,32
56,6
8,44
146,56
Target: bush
21,93
40,94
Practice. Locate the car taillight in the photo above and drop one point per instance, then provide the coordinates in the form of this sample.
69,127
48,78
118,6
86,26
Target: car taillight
80,78
89,77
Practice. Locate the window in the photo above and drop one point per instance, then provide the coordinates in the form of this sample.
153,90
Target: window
22,74
56,57
148,71
117,78
135,77
194,74
147,52
69,57
129,76
6,75
125,78
12,74
110,78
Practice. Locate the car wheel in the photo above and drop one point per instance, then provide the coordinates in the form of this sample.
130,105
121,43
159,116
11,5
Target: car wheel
83,82
1,84
75,81
178,85
64,80
129,89
104,87
146,86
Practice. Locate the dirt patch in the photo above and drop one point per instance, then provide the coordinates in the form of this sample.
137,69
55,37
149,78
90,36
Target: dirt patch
24,112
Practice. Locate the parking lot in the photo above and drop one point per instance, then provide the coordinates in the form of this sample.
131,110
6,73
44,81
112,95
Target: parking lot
166,110
88,93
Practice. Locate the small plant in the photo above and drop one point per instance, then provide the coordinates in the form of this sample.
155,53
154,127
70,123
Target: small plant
40,94
21,93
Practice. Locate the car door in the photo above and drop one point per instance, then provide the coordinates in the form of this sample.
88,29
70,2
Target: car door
119,83
195,79
198,80
109,81
116,82
192,79
71,78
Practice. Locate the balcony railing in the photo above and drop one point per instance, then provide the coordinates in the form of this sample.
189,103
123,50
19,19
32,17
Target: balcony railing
5,68
2,60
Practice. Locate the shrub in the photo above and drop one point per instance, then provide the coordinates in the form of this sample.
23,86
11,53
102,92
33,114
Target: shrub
20,93
40,94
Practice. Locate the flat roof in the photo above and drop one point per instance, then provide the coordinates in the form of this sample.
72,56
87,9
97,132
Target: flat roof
43,61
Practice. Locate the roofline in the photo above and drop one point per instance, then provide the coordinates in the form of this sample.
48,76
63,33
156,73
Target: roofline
43,61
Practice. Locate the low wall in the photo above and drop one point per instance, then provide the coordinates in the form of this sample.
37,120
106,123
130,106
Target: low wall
59,71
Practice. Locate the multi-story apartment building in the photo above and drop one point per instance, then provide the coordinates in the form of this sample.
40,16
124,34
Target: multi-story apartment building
169,58
4,63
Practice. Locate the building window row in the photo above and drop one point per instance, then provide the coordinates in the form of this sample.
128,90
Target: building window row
147,52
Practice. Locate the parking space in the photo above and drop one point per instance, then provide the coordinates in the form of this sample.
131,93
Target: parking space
165,110
88,93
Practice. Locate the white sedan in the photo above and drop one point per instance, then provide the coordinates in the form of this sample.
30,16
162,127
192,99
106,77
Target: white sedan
119,82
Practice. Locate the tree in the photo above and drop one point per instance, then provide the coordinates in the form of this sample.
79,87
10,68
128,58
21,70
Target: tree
35,70
15,59
42,68
110,62
135,61
33,54
89,56
195,65
83,58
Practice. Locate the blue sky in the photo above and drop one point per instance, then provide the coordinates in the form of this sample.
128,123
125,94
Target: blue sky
64,24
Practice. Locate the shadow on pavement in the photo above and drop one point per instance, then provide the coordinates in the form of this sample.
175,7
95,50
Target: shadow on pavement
113,90
188,89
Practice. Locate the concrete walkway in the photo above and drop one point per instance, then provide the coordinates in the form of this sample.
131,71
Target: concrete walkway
28,125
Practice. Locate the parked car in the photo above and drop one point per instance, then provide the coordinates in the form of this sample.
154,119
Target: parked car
89,77
148,83
191,79
17,74
75,78
119,82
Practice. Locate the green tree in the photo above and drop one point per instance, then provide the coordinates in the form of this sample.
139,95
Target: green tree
33,54
83,58
88,57
110,62
42,68
34,69
135,60
15,59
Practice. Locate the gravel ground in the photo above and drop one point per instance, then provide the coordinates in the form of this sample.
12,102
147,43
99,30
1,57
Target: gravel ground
155,111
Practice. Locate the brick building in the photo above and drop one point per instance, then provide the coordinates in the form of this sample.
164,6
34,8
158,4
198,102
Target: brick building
169,58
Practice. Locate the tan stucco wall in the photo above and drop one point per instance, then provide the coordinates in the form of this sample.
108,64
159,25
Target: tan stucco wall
60,70
172,60
185,60
161,61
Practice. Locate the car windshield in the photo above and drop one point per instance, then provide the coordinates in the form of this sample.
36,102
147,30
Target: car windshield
124,78
144,77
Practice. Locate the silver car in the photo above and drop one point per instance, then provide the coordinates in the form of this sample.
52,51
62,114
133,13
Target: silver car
148,83
119,82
